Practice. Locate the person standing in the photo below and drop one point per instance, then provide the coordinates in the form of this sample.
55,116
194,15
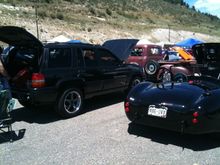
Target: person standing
4,77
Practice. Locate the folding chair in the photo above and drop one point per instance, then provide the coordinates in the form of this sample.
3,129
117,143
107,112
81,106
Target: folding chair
6,105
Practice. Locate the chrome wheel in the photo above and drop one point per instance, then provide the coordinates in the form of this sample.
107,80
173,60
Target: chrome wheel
166,76
69,102
72,102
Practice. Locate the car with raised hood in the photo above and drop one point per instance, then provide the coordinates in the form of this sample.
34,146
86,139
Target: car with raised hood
189,107
63,74
142,54
155,65
184,66
205,60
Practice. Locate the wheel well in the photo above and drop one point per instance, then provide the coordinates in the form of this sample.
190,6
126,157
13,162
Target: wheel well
180,75
137,75
70,84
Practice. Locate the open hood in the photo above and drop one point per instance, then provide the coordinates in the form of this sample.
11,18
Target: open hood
207,51
208,56
121,47
17,36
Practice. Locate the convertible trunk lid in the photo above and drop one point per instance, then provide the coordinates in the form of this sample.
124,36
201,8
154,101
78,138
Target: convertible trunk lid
179,97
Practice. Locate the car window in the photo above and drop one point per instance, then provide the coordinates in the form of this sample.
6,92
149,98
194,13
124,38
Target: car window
59,57
80,61
106,58
155,51
137,52
89,57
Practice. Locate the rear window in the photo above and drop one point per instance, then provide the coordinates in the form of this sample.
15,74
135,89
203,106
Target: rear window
137,52
89,58
155,51
59,57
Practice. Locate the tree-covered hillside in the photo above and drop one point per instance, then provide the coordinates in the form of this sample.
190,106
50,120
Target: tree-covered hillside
127,15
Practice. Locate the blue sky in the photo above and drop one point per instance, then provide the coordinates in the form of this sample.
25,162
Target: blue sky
207,6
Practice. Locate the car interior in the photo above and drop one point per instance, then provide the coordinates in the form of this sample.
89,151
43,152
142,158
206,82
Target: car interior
19,63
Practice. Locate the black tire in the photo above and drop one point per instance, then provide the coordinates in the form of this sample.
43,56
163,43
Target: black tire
179,77
164,75
151,67
69,103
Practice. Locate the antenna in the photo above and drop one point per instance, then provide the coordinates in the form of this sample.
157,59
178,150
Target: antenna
36,14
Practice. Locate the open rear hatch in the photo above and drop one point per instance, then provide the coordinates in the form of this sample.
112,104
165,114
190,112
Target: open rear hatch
22,54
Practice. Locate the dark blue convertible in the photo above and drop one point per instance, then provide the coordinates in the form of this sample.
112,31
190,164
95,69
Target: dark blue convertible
188,107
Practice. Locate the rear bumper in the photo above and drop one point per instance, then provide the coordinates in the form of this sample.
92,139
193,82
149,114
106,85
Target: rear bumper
182,125
36,96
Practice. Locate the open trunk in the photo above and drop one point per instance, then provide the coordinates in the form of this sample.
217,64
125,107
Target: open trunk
21,57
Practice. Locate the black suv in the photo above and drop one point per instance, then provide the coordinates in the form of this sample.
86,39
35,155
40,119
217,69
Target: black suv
62,74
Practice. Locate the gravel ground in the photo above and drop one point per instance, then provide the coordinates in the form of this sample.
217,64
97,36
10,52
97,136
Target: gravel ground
102,135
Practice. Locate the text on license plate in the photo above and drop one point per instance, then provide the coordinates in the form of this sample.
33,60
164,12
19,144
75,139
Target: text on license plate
159,112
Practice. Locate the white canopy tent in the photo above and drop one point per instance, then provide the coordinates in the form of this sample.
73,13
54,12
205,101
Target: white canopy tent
59,38
144,41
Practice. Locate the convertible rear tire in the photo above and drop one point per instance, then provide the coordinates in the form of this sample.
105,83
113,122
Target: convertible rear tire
69,103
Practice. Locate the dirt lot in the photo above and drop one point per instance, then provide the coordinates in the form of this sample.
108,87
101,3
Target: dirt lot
102,135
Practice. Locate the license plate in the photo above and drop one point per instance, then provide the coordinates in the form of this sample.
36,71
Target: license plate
159,112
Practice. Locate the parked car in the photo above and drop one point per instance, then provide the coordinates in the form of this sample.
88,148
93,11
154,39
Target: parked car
155,64
188,107
205,61
140,54
63,74
143,54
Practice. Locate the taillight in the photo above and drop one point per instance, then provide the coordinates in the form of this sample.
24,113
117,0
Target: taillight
190,82
195,121
195,114
195,117
37,80
126,106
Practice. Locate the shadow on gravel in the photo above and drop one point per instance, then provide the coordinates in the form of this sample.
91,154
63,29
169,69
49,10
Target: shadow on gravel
193,142
12,136
47,114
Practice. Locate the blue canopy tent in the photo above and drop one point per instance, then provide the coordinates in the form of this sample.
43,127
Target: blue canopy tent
74,41
188,43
